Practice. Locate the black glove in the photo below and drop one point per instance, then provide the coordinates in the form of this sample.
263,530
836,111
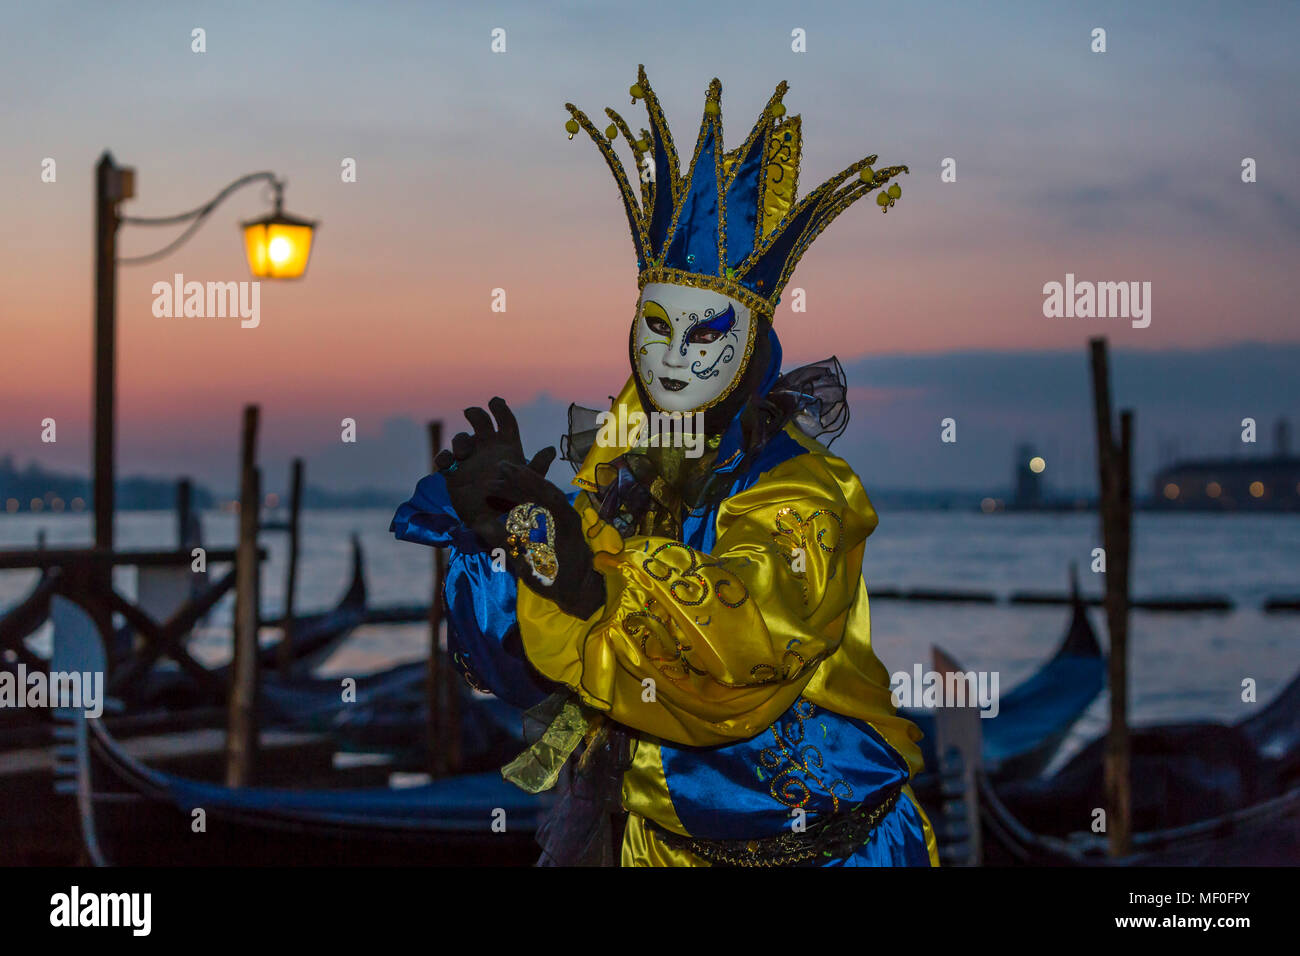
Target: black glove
577,587
472,460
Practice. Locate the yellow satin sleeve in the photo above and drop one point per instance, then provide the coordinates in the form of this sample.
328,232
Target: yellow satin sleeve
703,649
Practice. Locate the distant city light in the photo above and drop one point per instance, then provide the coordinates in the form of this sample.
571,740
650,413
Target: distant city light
1171,491
1257,489
1213,489
1037,464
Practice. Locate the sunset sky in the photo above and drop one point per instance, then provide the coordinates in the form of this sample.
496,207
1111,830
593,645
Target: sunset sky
1114,167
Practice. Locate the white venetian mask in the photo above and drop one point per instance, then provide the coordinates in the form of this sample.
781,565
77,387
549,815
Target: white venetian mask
689,345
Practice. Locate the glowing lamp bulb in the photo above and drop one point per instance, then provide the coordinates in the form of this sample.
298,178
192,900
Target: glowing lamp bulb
279,249
278,246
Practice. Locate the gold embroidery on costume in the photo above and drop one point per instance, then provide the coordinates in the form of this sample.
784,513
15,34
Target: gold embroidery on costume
791,537
792,760
692,587
689,587
658,638
780,175
462,664
792,662
672,661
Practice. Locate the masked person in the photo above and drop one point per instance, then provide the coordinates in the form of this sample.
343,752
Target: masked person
692,631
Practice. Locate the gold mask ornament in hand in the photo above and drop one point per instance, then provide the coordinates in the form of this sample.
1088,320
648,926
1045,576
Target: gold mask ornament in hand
520,523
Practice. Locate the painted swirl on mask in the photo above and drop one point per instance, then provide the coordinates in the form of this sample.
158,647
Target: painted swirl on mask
652,314
721,323
725,355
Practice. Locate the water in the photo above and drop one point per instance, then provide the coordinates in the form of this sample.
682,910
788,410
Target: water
1182,666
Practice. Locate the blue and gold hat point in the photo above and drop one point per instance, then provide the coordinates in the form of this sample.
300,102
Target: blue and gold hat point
731,223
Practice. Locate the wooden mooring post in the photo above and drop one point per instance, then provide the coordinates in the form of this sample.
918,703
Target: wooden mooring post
433,676
285,654
184,504
1115,473
443,726
241,728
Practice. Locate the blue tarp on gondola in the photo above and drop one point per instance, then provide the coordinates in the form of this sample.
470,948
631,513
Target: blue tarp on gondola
1040,710
462,802
1034,717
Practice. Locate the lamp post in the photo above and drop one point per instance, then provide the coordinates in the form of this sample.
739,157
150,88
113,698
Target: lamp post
112,184
277,248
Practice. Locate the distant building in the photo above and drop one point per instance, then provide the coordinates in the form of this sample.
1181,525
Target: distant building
1233,484
35,489
1029,488
1029,480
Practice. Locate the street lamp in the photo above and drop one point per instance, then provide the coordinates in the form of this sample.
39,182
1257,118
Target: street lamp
278,248
278,245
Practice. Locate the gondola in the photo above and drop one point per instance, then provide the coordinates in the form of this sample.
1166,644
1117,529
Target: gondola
312,703
25,618
22,726
171,699
1266,833
314,638
1182,772
1035,716
1275,731
388,715
132,814
1203,791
